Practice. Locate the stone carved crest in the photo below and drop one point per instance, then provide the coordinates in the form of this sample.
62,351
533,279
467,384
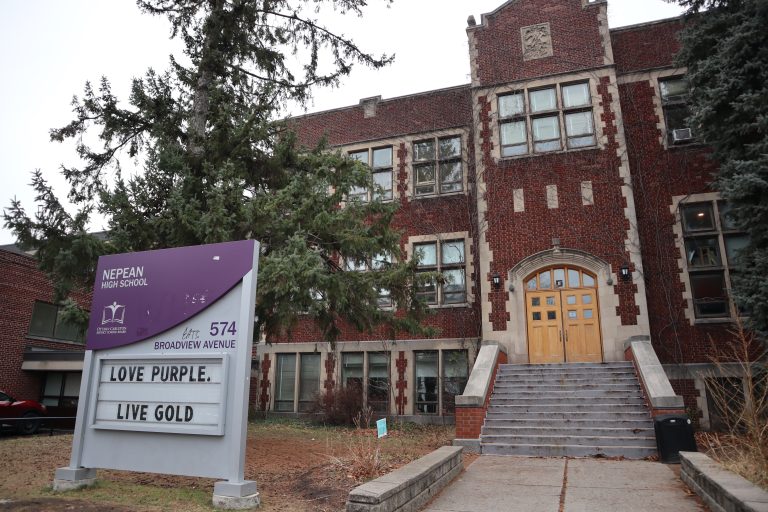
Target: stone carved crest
537,41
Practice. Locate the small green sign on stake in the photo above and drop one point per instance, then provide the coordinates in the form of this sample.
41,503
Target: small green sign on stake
381,427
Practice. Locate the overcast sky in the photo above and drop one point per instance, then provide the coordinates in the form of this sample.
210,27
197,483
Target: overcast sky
49,48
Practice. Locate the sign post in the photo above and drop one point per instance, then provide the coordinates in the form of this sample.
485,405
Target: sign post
167,368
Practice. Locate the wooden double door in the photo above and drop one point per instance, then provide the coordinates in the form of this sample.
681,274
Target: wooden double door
563,326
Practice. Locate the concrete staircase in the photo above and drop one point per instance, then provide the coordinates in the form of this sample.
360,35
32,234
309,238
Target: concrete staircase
573,409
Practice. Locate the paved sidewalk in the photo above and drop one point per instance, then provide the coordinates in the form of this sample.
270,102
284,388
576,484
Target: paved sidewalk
511,484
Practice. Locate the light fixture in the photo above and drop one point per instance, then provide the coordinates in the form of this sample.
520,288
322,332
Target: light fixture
496,280
624,272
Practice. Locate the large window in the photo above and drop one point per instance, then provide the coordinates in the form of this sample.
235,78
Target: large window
380,162
352,370
61,389
674,100
712,246
438,166
446,257
378,382
378,262
285,382
309,381
546,119
47,323
427,381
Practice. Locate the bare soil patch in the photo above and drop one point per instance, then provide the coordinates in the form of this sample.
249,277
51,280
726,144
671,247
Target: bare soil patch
297,468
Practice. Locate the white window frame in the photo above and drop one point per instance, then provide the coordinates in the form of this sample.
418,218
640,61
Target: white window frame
440,266
437,183
367,195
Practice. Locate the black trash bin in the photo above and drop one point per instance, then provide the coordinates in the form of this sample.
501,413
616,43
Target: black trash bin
674,434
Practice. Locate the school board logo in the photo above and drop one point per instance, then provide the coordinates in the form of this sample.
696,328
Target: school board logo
113,314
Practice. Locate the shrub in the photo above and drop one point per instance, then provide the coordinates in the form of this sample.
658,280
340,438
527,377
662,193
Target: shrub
339,406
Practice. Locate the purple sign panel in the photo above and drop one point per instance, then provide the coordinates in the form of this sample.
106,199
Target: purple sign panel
142,294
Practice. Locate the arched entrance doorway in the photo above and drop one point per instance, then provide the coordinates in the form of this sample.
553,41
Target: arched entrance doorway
562,316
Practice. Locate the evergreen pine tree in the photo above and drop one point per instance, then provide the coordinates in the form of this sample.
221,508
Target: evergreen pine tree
217,165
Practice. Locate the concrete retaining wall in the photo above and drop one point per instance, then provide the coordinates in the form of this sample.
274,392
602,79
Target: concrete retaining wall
408,488
721,490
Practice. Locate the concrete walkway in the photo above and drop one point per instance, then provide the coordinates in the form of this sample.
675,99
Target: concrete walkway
511,484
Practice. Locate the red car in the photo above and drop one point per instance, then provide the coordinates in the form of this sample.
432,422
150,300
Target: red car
28,409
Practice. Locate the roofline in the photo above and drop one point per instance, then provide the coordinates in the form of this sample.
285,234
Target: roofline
396,98
648,23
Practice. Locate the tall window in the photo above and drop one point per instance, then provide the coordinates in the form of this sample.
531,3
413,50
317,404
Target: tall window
378,262
674,100
447,258
285,382
455,375
309,380
380,162
712,246
378,382
550,118
426,381
47,323
352,370
437,166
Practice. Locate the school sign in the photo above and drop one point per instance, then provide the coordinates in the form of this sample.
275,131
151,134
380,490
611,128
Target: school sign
167,368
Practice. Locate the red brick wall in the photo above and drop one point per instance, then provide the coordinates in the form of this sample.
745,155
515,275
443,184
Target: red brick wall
599,229
21,284
576,40
647,46
687,389
658,174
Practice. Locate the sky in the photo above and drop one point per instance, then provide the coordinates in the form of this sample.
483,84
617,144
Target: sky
50,48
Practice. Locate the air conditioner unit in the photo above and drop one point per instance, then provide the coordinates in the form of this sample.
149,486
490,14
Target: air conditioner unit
681,135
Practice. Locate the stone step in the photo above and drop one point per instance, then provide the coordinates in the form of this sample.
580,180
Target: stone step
548,422
538,450
571,385
566,430
576,401
566,393
517,413
565,374
566,408
646,441
550,366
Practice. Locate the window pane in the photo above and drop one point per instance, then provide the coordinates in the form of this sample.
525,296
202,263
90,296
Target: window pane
424,150
428,292
450,177
543,99
53,384
72,384
43,320
454,287
425,179
427,254
358,194
513,133
450,148
360,156
381,261
588,280
285,387
709,296
573,278
546,128
455,374
677,117
66,331
356,265
702,252
352,369
385,298
511,105
576,95
382,157
578,124
378,381
698,217
383,180
531,284
452,252
670,89
309,380
559,277
726,217
426,382
734,244
545,280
